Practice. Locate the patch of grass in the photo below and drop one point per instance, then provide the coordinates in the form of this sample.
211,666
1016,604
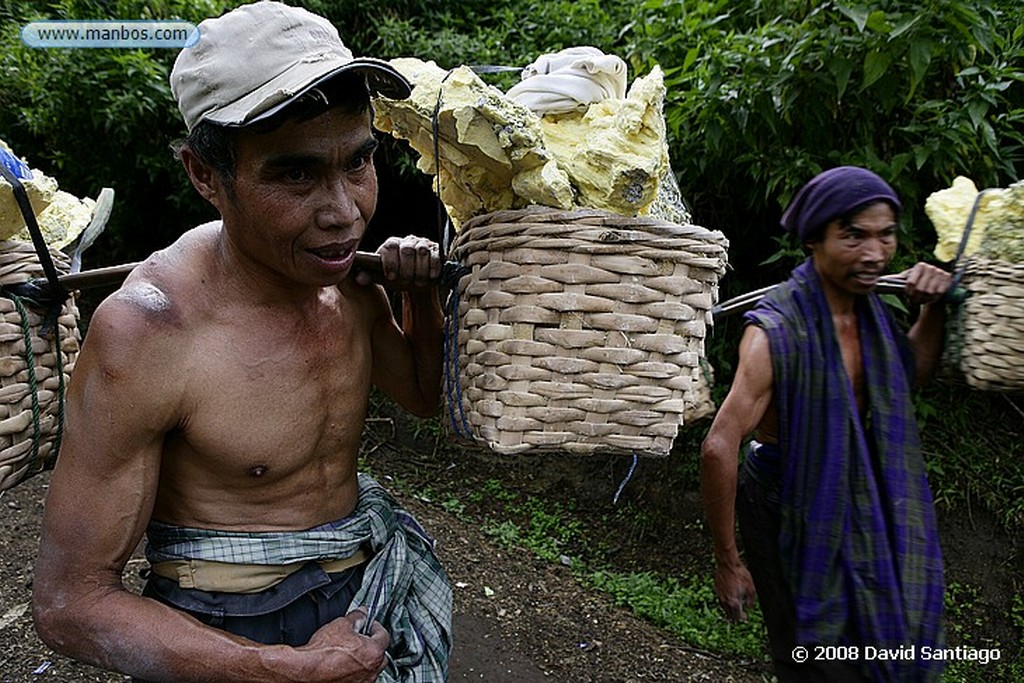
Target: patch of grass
505,533
542,528
495,490
635,522
453,506
432,429
964,618
687,608
961,613
974,450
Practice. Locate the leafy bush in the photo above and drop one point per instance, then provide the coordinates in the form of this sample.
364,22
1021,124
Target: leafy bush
95,118
762,94
765,94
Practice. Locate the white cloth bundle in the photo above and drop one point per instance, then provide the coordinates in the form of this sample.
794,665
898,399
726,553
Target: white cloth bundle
570,80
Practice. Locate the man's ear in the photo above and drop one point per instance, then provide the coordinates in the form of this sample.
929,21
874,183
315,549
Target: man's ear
205,179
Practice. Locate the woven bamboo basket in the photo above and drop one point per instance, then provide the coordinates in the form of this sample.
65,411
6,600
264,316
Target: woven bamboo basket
35,366
580,331
985,335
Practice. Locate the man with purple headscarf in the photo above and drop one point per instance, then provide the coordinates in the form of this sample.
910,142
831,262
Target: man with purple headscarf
834,509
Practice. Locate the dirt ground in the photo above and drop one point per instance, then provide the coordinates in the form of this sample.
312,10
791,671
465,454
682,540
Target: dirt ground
520,619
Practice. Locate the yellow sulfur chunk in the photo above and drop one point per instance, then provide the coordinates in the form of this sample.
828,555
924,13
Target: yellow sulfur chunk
62,221
491,149
949,210
1004,232
615,152
40,189
495,153
998,228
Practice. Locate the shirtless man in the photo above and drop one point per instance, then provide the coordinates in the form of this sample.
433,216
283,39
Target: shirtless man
834,510
220,394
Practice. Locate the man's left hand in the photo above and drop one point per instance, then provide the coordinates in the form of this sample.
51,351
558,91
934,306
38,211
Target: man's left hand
407,263
926,283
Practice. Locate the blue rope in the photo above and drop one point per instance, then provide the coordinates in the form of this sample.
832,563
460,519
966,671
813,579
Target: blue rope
629,475
451,368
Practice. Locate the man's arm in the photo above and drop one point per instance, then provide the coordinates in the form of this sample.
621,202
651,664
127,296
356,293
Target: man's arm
408,360
927,285
121,403
741,412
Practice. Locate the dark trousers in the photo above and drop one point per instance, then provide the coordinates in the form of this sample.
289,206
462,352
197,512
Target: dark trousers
287,614
757,508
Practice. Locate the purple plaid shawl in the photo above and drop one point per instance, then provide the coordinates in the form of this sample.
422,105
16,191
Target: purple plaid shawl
859,542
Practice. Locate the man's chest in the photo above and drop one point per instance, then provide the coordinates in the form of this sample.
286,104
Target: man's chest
275,393
849,346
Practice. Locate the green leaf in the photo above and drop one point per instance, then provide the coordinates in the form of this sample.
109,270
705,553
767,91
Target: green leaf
904,26
894,301
877,23
899,162
921,154
977,110
840,68
920,58
859,15
875,65
691,57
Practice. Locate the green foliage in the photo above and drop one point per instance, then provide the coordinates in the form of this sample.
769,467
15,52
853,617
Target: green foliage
495,490
763,95
965,614
542,528
95,118
973,450
687,608
502,33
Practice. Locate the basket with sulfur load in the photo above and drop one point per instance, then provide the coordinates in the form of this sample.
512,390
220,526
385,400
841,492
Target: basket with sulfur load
983,233
39,336
579,319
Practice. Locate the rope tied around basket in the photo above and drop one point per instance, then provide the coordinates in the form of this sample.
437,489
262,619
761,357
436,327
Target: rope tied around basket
453,271
34,389
48,295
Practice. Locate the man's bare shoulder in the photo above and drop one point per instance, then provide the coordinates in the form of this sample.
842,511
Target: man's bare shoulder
755,349
158,301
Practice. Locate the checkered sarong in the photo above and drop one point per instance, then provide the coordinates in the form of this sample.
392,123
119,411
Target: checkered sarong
404,586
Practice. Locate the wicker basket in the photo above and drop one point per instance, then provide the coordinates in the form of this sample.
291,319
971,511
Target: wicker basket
32,373
580,331
985,336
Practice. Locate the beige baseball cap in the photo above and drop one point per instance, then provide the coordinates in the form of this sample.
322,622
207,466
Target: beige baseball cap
254,60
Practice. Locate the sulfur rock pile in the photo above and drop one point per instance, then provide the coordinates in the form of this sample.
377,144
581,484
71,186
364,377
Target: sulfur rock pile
998,228
61,215
568,136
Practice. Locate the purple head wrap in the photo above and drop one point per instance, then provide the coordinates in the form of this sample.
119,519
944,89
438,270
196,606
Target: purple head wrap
834,193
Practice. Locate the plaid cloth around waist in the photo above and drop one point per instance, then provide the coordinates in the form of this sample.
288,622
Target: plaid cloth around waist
404,586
